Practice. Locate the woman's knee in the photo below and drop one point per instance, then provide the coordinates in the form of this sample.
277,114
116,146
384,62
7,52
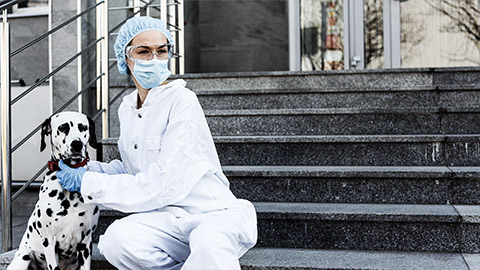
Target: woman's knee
113,240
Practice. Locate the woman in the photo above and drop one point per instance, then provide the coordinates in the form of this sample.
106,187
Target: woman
170,178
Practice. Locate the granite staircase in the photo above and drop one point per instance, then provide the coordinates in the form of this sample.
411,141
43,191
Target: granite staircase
348,170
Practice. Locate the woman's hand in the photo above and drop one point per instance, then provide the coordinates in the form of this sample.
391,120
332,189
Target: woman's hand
70,178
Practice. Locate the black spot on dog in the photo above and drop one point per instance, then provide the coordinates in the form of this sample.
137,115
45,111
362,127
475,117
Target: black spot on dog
39,213
45,242
62,213
63,235
49,212
28,236
82,127
81,261
30,228
86,253
61,196
71,123
54,177
90,198
81,225
81,200
53,193
88,232
81,214
26,257
49,172
65,204
95,210
57,268
39,224
94,228
75,205
42,256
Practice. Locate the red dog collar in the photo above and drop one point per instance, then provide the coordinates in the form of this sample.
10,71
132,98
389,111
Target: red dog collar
53,165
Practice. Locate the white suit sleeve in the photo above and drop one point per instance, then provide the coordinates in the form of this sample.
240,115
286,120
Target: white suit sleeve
114,167
181,163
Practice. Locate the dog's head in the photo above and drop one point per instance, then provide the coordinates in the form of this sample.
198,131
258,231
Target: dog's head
69,132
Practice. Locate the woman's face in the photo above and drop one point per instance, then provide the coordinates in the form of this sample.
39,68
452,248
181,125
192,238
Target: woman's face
151,36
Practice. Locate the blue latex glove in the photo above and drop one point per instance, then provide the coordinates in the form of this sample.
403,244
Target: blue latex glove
70,178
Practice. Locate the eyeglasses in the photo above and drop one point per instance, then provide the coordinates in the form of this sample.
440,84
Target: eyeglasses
147,51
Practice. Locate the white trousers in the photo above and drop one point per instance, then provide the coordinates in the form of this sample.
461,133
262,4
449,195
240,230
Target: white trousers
159,240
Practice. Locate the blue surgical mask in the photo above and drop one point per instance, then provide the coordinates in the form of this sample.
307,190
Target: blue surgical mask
151,73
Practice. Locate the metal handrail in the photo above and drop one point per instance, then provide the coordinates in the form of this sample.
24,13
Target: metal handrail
10,4
36,40
42,80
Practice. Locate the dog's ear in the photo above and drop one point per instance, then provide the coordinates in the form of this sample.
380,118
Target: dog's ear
46,130
91,130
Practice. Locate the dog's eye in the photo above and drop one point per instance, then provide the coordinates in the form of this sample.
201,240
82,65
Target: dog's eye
82,127
65,128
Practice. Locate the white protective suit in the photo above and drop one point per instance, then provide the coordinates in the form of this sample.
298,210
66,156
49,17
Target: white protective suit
185,215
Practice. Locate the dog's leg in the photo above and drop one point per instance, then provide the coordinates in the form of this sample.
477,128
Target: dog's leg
85,254
50,255
22,260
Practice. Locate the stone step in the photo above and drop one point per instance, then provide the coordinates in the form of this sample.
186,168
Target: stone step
345,121
347,150
302,259
345,80
337,184
412,96
432,228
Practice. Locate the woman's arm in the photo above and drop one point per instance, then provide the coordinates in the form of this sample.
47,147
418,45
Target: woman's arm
114,167
181,163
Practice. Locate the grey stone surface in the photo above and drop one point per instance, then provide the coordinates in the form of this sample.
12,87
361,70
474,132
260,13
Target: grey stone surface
229,100
380,150
301,259
344,190
404,227
364,235
332,122
399,185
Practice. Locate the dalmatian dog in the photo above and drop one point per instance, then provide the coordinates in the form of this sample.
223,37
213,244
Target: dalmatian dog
59,231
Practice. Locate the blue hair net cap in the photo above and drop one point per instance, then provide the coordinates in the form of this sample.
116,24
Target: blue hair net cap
129,30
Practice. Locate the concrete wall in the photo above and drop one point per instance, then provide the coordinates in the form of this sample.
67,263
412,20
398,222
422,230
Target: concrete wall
32,63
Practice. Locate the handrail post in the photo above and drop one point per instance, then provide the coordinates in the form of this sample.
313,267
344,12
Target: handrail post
98,29
105,70
172,18
79,59
6,135
136,7
181,38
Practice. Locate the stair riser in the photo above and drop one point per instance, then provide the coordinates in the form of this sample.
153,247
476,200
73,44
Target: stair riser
342,233
354,99
397,79
345,124
348,154
357,190
358,235
341,154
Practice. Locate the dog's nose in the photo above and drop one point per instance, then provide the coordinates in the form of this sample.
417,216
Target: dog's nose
77,146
